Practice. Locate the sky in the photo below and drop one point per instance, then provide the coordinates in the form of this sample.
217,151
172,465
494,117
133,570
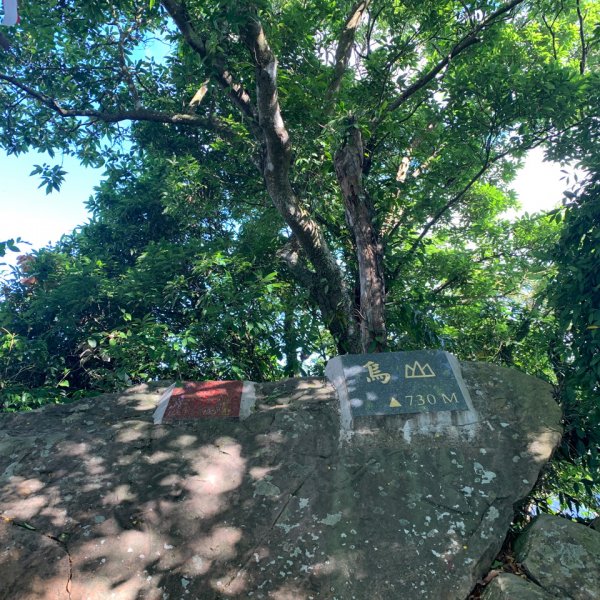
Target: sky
539,184
27,212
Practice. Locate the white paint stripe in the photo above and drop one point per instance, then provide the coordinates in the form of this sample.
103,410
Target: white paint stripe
11,16
334,371
161,407
248,400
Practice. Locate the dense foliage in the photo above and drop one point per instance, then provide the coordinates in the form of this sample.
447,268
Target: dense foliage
574,298
286,180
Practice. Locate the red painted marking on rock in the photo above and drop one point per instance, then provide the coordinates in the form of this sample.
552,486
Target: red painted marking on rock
204,400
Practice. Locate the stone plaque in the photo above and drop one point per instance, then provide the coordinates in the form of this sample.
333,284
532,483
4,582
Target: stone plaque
204,399
399,382
192,400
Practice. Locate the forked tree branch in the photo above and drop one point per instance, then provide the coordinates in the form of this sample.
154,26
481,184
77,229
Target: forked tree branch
238,95
345,45
550,28
439,214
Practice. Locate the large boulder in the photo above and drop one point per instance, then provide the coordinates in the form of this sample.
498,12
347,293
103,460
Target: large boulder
563,557
279,505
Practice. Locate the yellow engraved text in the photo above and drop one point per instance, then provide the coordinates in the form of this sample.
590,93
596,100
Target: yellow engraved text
417,370
375,373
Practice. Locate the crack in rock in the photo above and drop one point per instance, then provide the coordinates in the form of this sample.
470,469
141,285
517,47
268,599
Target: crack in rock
56,539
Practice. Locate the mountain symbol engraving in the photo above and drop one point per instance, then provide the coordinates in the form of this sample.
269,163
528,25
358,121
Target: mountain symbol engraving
418,371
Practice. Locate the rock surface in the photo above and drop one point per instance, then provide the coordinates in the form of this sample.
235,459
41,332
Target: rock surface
510,587
562,557
32,566
276,506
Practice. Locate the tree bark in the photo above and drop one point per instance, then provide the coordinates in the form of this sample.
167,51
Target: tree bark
360,219
290,343
345,45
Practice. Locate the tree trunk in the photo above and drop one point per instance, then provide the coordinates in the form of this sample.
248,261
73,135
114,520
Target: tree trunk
360,219
290,343
325,280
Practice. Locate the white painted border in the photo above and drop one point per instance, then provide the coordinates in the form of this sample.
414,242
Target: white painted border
248,401
163,402
335,373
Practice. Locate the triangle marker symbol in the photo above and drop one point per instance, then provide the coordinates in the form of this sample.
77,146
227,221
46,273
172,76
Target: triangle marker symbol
394,403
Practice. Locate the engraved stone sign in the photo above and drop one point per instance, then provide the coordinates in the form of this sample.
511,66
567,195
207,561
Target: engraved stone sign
193,400
399,382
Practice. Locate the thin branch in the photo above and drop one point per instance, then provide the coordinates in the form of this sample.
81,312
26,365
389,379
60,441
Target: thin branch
583,59
123,35
370,28
332,227
550,28
439,214
425,79
442,211
449,282
374,142
389,65
117,116
344,47
238,95
460,276
544,137
466,42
